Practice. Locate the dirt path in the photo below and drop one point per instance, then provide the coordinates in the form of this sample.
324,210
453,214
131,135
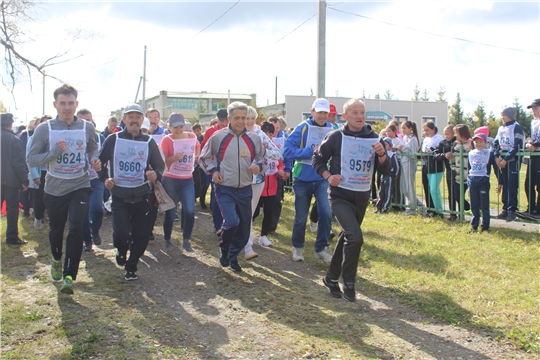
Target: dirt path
277,308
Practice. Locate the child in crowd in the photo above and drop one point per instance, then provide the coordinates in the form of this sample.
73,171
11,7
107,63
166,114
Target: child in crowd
387,182
463,139
391,131
396,125
443,153
408,165
269,192
432,171
480,161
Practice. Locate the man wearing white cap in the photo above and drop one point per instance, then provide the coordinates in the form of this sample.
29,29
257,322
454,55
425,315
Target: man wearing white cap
134,161
302,142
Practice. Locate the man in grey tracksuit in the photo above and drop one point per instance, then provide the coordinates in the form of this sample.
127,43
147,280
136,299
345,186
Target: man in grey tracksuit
233,155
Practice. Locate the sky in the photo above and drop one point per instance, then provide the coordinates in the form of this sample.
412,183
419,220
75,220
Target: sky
371,47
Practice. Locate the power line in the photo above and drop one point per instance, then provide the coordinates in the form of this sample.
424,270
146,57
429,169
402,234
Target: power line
296,28
236,3
434,34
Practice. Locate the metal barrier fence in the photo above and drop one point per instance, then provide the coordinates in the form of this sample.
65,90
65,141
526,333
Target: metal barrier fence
523,158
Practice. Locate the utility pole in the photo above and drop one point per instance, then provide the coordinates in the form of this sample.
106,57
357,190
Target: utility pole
144,82
321,58
276,91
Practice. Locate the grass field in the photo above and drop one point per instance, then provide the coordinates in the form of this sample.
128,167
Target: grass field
486,283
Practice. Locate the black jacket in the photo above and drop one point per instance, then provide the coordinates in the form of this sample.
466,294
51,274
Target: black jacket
14,169
440,153
331,149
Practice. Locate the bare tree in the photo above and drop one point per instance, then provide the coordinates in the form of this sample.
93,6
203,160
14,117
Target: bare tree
14,14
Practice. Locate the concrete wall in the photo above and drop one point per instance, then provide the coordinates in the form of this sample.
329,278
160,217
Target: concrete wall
416,111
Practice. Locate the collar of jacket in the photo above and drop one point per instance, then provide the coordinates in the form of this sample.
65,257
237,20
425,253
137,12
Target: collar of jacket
232,132
366,131
125,134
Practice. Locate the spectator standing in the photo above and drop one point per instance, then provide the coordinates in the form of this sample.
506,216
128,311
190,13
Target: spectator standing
532,179
408,165
433,170
510,140
14,177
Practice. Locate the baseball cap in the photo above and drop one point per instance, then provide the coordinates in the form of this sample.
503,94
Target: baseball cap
133,108
145,124
333,109
176,119
222,114
534,103
321,105
480,136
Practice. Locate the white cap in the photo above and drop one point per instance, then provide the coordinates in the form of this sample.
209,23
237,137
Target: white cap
146,124
321,105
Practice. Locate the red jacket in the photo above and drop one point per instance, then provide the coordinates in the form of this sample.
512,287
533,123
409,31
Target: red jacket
271,182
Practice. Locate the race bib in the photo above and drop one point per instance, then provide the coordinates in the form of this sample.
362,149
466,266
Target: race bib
357,162
130,158
479,159
505,135
158,138
185,166
71,163
315,136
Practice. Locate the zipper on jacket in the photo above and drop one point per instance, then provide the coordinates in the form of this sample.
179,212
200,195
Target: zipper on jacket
238,148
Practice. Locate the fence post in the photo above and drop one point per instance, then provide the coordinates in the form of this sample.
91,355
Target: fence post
462,186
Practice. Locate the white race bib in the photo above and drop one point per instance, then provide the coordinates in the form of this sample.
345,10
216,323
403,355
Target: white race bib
185,166
315,136
479,160
70,164
505,135
280,142
130,158
272,166
357,162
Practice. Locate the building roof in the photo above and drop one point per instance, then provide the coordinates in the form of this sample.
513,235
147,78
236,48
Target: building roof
205,95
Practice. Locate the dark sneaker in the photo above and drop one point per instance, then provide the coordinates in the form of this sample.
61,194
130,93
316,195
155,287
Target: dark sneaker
88,246
56,269
485,230
203,206
187,246
167,245
67,288
348,292
503,215
120,258
16,242
96,237
471,231
223,258
235,266
335,291
452,217
130,276
511,216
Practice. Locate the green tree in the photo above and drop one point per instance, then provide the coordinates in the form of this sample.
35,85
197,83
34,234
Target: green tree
493,124
425,96
416,93
388,95
201,109
363,94
377,96
456,112
440,94
480,116
523,118
2,107
378,126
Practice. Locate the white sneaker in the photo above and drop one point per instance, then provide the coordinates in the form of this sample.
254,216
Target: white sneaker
264,241
297,254
108,205
37,224
324,256
312,227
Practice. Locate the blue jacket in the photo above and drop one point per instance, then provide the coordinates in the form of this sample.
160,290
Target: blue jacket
295,149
